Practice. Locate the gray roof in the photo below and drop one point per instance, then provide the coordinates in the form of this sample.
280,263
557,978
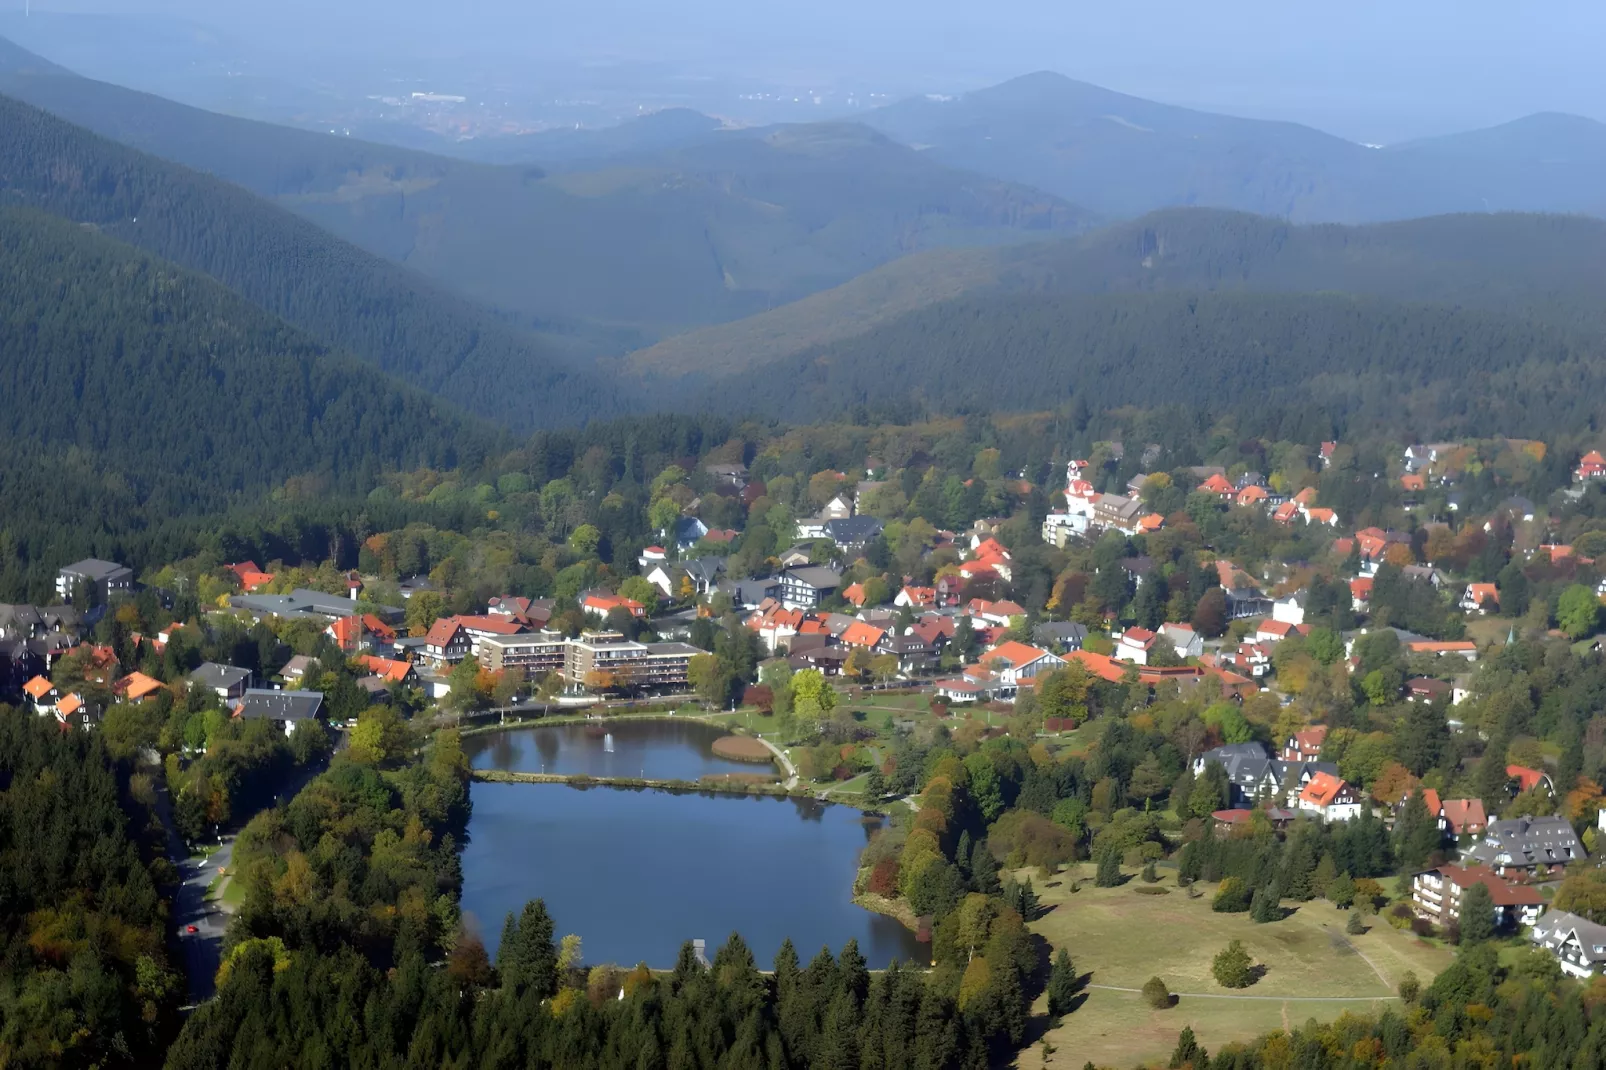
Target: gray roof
1250,765
296,666
1528,841
374,685
817,576
854,529
704,569
1554,927
1059,631
280,705
303,603
219,677
748,592
673,648
94,568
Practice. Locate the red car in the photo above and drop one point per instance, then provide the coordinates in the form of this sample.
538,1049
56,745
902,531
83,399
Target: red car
190,929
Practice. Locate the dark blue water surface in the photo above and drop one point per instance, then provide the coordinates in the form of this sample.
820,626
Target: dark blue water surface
653,750
637,873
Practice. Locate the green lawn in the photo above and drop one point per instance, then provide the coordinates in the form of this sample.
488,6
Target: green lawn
1123,938
233,894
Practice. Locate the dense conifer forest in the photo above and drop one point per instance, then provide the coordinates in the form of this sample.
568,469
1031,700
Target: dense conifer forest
347,299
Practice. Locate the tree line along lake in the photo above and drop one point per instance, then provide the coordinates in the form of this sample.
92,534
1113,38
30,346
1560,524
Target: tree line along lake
636,872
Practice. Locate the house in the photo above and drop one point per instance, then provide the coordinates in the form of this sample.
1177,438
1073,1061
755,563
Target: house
391,671
688,530
446,644
347,632
1360,593
853,534
295,670
1330,797
1578,944
1413,483
1436,895
94,580
1117,512
652,555
838,508
1275,631
1426,689
1319,515
1183,639
136,687
1526,779
1290,609
1523,844
1590,466
807,587
602,603
727,475
1135,645
1016,663
1286,512
1306,744
1252,496
1430,803
703,572
1062,634
1000,612
288,709
42,693
1465,817
1255,775
1480,598
916,597
1218,487
914,654
303,604
227,681
862,635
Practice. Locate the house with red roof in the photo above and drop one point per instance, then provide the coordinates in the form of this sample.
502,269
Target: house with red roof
1360,593
389,670
1252,496
916,597
1430,802
1219,486
1527,779
1319,515
136,687
862,635
1324,455
603,602
1480,598
1275,631
42,693
1437,893
1590,466
1330,797
854,595
446,643
1306,744
1135,645
1286,512
1464,817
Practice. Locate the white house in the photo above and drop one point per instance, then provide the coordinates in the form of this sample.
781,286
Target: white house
1184,640
1135,645
1331,798
1290,609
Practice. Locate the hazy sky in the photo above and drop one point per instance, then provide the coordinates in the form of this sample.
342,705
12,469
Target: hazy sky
1350,66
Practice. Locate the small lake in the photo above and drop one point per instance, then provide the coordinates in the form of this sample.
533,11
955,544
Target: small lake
638,873
654,750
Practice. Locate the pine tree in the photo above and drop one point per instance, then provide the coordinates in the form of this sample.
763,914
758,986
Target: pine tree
1109,871
963,852
853,973
1062,983
1232,967
527,958
1326,870
983,869
1188,1052
1476,915
1267,904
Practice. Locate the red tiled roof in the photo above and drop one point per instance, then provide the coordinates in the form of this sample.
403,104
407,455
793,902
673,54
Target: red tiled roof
861,634
135,686
441,632
1322,789
38,688
69,705
1016,653
346,630
1524,776
1504,893
1465,815
1216,484
1453,646
392,671
495,625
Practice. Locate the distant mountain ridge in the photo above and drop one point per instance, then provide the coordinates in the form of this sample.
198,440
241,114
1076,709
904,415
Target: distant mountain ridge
1549,267
1122,156
702,233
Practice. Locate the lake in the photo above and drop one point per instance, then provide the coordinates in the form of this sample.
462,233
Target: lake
638,872
653,750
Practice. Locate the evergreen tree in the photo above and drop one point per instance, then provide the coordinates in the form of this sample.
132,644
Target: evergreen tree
1476,916
1188,1053
1232,967
1062,983
1266,906
983,869
1109,870
527,958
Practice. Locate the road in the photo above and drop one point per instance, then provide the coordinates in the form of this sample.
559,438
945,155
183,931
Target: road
202,949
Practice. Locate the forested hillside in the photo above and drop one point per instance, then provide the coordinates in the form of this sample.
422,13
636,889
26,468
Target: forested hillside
1547,266
344,297
1122,156
710,232
1359,361
84,973
183,393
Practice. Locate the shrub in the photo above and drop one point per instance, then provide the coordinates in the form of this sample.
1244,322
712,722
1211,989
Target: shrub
1149,874
1422,926
1233,967
884,878
1355,926
1032,838
1410,987
1156,993
1400,916
1232,897
1152,890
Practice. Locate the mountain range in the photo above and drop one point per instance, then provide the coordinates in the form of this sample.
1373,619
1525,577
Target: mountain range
649,244
1122,156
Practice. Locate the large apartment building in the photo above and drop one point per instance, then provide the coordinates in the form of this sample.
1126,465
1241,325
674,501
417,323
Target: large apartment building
596,661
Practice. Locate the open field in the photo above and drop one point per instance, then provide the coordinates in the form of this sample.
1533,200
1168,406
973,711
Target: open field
1120,938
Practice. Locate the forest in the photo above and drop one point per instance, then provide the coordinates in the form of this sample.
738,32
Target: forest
345,298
